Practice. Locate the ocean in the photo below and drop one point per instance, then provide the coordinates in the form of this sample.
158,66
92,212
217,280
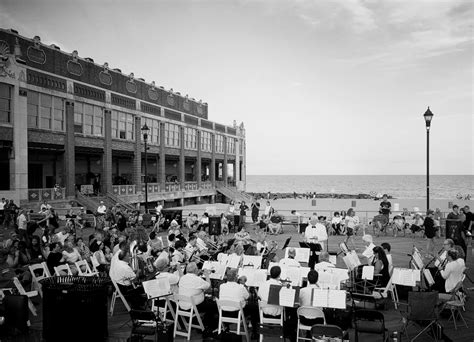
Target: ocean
406,186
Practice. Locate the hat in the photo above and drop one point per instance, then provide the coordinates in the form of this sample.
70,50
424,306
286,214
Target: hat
367,238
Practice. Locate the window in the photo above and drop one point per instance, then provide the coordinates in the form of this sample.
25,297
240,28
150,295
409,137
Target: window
45,111
241,148
123,125
206,142
190,138
154,132
88,119
5,103
230,145
172,138
219,143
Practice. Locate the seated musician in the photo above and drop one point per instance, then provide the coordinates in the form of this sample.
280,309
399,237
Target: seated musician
194,286
381,266
200,241
453,270
262,245
242,236
369,248
323,263
123,275
156,245
306,293
178,255
191,248
174,228
290,260
387,248
264,291
163,270
235,290
275,226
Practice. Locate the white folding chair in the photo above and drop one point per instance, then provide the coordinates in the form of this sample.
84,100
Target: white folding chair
61,269
95,263
268,320
39,272
231,306
164,310
117,293
29,294
83,269
190,314
309,312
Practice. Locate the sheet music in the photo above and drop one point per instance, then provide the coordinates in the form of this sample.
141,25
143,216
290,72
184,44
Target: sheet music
326,280
320,298
344,247
368,272
219,271
304,272
439,260
287,297
158,287
341,273
405,277
234,261
294,275
417,259
351,260
428,277
270,265
337,299
253,261
302,254
333,259
255,277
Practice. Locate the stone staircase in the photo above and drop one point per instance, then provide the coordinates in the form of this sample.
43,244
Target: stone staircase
112,199
234,194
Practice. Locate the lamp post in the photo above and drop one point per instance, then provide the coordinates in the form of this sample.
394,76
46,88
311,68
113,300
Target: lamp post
145,131
428,117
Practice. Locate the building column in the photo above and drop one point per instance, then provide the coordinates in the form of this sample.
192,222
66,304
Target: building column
162,161
137,157
181,164
237,164
198,166
69,163
212,171
224,165
106,181
19,164
244,166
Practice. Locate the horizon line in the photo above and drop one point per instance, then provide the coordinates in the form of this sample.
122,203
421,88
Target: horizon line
359,174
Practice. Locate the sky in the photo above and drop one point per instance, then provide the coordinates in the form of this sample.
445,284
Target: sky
322,87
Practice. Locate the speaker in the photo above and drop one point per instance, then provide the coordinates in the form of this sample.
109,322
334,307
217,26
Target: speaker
214,225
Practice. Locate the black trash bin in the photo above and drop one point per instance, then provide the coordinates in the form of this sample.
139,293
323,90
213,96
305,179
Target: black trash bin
75,308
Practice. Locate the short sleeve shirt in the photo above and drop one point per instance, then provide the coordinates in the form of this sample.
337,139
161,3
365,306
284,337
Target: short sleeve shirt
386,206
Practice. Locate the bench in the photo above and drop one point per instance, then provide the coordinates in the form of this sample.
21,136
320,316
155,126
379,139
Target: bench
292,220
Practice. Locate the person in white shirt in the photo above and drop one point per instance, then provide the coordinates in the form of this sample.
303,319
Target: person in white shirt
162,269
200,244
191,250
234,290
350,223
22,222
2,210
316,232
123,275
369,248
290,260
323,263
453,271
63,235
191,285
268,209
264,291
306,292
101,209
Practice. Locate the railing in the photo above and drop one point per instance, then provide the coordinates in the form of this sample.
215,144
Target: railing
190,186
122,190
206,185
87,201
170,187
152,188
116,199
49,194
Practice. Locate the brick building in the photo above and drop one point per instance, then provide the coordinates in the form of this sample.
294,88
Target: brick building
69,126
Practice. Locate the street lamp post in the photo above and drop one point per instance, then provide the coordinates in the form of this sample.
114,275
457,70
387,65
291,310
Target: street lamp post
145,131
428,117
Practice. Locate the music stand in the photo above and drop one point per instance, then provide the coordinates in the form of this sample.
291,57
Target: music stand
287,242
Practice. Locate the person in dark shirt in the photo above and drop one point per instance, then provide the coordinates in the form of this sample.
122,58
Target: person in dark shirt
457,232
55,257
469,222
385,206
430,232
243,212
121,222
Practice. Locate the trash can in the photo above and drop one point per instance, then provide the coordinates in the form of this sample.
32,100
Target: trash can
75,308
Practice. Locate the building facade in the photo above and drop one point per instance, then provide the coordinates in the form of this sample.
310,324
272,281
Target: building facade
68,126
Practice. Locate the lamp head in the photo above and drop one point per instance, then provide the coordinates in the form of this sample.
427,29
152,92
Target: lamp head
145,131
428,117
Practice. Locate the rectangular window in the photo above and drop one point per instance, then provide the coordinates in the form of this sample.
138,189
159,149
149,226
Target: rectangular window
5,103
206,142
88,119
45,111
241,147
219,143
123,126
190,138
154,132
230,145
172,137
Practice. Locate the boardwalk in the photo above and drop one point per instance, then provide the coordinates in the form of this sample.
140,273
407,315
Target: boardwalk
119,330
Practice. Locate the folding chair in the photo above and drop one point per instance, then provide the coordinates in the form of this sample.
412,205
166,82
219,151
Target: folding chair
267,324
29,294
308,312
456,304
231,306
369,321
39,272
118,294
83,269
421,307
62,268
95,263
322,331
164,310
144,323
190,314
